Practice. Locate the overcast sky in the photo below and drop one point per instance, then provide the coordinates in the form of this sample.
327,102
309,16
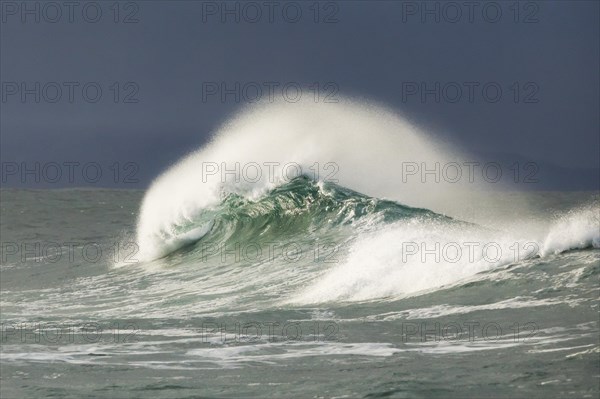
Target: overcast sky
158,64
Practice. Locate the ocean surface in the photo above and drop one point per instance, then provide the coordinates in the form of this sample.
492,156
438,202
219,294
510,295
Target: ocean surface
356,283
330,312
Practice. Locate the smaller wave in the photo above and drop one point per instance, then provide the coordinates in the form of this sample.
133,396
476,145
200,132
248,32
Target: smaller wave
419,254
577,229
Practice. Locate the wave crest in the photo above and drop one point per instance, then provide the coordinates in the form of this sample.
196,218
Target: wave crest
366,142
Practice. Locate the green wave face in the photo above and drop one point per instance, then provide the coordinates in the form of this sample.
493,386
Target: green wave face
301,211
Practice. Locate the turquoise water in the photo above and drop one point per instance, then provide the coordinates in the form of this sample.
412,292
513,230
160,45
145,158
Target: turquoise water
307,291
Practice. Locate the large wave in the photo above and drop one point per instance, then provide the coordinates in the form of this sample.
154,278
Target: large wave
362,146
309,173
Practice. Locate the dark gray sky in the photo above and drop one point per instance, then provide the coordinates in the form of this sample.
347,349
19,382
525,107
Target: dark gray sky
544,55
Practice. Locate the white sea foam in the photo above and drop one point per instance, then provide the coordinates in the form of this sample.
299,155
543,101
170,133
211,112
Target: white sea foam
579,228
414,256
